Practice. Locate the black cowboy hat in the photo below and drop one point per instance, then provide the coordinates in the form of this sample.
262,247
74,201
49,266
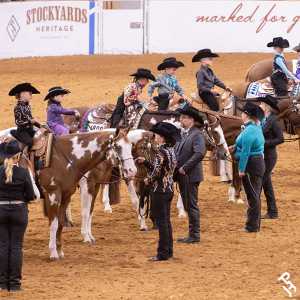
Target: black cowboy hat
192,112
270,100
253,111
143,73
279,42
57,90
297,48
170,62
166,129
9,149
23,87
204,53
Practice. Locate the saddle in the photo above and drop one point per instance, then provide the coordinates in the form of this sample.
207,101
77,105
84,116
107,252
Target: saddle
173,104
268,88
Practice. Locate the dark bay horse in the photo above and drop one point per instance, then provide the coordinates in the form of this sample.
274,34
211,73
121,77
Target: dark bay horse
83,152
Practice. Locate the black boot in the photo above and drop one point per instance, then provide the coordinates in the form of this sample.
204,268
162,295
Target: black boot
37,183
38,164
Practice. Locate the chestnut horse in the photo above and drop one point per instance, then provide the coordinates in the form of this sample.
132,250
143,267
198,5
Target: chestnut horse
264,69
74,156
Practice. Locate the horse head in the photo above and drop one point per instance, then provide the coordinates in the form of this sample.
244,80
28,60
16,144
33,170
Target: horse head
120,147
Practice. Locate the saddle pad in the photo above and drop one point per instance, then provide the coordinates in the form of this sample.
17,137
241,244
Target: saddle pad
84,121
253,91
297,88
47,156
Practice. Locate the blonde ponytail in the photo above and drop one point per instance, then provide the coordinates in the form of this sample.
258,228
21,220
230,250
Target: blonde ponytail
8,164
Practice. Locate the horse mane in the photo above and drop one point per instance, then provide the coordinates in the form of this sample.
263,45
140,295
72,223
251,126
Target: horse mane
248,71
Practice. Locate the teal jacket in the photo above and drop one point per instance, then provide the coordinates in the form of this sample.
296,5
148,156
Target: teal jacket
249,143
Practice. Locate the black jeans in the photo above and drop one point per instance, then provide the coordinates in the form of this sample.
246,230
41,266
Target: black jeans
161,203
162,100
279,82
25,137
118,112
210,100
13,224
268,187
255,168
189,194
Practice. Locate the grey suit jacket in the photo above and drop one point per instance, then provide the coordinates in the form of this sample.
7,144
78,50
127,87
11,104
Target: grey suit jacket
273,135
191,154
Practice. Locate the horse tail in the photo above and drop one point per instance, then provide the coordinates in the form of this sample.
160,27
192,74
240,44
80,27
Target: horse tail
145,198
45,208
246,78
114,187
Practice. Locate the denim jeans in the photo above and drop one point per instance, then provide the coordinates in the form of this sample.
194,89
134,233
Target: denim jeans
13,224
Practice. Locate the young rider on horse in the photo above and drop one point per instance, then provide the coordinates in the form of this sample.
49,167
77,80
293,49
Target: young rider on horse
280,71
297,48
206,79
131,93
23,117
167,83
54,109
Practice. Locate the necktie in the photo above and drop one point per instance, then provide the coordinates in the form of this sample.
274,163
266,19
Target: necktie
181,143
173,81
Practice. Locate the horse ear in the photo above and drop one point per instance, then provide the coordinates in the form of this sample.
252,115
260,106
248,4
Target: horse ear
117,130
127,129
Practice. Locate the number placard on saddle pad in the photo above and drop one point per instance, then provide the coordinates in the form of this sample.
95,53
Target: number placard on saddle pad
97,127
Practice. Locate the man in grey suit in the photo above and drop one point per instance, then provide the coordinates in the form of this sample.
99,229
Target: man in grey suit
190,152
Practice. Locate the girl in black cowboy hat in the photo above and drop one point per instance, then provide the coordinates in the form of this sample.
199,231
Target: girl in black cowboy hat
54,109
23,117
15,192
206,79
280,71
249,148
297,48
131,93
161,177
167,83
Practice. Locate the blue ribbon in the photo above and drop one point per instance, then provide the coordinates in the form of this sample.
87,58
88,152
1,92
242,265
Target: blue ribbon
173,81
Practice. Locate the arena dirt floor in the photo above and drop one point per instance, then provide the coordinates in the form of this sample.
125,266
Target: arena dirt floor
226,264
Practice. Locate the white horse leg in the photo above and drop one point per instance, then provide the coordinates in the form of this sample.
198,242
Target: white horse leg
105,199
90,228
133,195
223,171
86,200
228,170
141,217
231,192
180,207
52,243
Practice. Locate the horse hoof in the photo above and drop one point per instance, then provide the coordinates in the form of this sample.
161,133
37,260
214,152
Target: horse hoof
108,211
66,224
232,201
93,241
240,201
144,229
181,216
53,259
72,224
226,181
90,242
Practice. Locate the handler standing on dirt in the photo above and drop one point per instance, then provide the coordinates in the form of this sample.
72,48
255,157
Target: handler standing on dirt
206,79
15,192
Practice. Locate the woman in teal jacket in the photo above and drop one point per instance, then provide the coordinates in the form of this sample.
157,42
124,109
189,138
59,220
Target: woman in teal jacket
249,148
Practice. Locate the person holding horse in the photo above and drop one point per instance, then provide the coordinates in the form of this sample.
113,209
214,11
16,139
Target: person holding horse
206,79
249,148
23,116
297,48
54,109
16,191
167,83
161,177
131,93
280,71
190,151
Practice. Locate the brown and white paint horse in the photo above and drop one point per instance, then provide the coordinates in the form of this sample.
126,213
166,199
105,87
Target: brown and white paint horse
84,152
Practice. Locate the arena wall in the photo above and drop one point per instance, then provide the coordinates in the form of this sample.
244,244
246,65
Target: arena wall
53,28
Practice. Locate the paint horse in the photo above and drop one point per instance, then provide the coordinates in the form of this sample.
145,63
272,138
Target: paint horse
73,156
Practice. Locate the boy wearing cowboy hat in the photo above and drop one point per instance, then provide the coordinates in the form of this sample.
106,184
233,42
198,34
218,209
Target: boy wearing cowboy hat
280,71
297,48
54,109
206,79
167,83
131,93
23,117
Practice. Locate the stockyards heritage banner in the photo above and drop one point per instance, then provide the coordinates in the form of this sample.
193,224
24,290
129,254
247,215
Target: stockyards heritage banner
47,28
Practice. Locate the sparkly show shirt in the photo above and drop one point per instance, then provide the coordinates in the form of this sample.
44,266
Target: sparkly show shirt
132,91
54,112
23,116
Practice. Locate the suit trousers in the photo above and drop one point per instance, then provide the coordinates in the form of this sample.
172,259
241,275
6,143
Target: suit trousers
189,194
268,187
255,168
118,112
210,100
13,224
161,203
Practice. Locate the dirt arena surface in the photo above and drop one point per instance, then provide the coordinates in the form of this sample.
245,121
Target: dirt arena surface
226,264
